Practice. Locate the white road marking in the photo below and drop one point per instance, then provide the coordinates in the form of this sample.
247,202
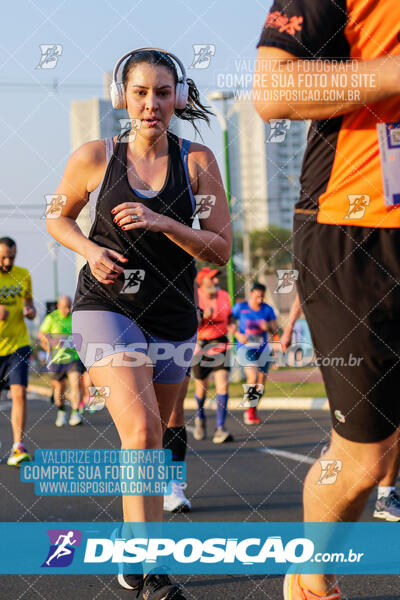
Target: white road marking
291,455
275,452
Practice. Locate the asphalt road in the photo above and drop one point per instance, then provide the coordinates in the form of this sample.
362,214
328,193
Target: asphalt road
238,481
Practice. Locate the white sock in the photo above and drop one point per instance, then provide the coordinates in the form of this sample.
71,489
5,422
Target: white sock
15,446
384,490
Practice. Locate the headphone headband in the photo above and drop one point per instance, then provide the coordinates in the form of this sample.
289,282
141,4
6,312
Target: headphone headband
121,60
117,89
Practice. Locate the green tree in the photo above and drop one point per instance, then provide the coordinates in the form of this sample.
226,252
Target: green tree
273,246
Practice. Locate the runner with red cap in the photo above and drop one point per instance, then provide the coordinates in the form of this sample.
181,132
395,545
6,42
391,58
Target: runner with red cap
211,353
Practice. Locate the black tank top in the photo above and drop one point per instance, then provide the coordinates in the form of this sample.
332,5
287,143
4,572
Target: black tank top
158,292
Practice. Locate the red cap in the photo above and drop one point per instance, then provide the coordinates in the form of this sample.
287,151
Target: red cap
206,272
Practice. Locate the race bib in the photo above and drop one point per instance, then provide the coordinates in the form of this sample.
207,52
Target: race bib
389,150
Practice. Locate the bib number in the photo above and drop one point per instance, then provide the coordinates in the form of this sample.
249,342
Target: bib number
389,150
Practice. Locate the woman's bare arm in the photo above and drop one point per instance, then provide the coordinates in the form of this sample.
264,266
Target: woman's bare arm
82,173
73,190
213,242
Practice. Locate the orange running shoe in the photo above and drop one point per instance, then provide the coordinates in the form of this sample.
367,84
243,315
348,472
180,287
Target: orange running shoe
293,590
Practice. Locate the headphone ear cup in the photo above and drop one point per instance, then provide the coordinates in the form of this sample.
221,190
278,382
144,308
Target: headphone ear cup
117,92
181,94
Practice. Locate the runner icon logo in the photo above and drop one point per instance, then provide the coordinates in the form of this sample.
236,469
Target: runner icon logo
286,280
204,204
129,128
329,471
50,55
357,205
54,205
203,54
252,395
133,279
97,397
278,130
62,547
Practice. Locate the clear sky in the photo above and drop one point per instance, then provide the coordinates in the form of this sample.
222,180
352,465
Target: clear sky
34,120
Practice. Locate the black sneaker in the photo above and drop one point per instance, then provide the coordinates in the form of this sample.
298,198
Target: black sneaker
131,582
159,587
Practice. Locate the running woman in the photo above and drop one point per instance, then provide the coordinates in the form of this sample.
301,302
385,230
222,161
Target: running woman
16,302
346,233
136,289
256,319
55,335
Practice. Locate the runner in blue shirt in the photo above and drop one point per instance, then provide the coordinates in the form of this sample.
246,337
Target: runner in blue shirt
255,319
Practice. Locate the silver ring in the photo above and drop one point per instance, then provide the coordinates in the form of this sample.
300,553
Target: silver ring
134,218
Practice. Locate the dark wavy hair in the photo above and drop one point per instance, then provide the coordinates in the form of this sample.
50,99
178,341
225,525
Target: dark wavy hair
7,241
194,109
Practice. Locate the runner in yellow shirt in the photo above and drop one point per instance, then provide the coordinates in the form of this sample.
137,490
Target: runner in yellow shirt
16,302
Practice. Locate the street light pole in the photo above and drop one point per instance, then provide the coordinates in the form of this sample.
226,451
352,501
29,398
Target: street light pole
52,246
247,263
221,116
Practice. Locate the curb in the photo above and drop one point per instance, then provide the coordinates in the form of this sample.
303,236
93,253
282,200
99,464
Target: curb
39,389
266,403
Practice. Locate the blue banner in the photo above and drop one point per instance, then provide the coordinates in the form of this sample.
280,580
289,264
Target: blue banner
81,472
199,548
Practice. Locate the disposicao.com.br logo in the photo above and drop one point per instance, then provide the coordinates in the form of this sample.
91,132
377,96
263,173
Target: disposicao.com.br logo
62,547
199,548
193,550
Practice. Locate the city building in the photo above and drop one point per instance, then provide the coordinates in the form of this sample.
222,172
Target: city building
265,164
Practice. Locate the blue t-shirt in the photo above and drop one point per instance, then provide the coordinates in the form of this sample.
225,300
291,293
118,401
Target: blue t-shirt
249,321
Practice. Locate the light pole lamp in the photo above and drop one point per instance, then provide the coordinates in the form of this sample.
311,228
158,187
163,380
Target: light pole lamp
53,246
221,116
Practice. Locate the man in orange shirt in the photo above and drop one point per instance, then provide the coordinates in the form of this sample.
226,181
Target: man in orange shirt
211,353
338,63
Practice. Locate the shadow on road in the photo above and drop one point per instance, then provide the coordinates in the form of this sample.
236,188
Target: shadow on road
219,580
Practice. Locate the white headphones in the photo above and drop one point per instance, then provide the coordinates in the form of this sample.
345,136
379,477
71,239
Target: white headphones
117,89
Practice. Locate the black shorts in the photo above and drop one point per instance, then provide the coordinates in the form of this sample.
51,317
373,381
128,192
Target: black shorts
58,372
349,286
204,363
14,368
